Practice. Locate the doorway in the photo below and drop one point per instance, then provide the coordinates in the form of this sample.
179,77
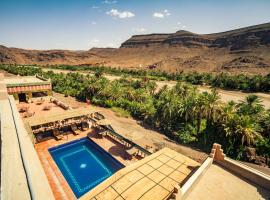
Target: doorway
22,97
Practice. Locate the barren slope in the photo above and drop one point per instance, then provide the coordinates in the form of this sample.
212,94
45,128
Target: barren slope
245,50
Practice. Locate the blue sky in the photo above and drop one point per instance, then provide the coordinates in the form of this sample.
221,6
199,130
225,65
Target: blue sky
82,24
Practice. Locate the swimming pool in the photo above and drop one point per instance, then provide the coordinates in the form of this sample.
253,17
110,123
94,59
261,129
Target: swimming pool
84,164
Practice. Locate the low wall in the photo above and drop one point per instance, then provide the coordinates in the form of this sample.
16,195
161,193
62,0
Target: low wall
22,176
14,183
235,167
251,174
183,192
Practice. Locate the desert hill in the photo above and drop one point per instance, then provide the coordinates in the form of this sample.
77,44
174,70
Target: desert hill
244,50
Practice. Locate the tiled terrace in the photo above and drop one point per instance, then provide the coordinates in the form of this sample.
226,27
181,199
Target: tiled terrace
59,186
153,177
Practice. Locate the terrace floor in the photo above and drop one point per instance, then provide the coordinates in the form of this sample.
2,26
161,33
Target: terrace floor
59,186
219,183
152,178
38,110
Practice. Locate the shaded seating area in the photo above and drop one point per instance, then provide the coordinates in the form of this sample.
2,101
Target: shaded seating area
70,121
81,120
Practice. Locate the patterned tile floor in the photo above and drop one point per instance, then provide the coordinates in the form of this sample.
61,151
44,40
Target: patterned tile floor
59,186
151,178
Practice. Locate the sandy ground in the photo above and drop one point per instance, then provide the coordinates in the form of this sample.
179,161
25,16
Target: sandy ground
6,74
225,95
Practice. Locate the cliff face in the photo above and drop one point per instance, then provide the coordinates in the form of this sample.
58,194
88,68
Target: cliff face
234,40
245,50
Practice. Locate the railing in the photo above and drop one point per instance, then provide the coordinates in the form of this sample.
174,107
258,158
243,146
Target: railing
120,137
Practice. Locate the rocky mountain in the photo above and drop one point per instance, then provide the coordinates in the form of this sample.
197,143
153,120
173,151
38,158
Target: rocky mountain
234,40
245,50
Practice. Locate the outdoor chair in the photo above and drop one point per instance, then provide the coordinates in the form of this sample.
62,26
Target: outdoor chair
57,134
75,129
84,126
47,107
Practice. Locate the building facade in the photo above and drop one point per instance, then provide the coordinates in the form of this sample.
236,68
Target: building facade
26,87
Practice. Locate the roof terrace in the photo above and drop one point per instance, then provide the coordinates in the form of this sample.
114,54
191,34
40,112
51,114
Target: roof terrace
24,80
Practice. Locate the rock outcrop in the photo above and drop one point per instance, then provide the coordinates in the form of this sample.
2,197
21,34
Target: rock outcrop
234,40
245,50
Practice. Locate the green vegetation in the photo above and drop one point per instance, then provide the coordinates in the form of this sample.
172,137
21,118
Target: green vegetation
246,83
182,113
256,83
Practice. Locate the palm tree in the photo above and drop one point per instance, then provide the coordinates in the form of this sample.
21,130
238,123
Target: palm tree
242,128
247,129
227,112
250,106
211,104
112,91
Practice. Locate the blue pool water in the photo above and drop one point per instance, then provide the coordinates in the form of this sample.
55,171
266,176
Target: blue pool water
84,164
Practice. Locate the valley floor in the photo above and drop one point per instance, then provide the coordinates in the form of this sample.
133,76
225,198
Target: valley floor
225,95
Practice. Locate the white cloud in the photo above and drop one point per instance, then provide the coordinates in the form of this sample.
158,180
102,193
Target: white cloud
93,23
158,15
163,14
119,14
166,12
179,26
94,41
95,7
109,2
139,30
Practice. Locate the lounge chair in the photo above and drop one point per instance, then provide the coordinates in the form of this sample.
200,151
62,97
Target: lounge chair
57,134
98,116
74,129
84,126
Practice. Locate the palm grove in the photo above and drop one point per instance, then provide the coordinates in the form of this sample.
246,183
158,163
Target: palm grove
182,112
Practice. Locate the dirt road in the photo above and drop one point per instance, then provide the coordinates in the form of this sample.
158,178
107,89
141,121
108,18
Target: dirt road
225,95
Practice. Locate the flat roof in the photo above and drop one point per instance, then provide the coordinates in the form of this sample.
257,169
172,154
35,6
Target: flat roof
23,80
153,177
53,117
220,183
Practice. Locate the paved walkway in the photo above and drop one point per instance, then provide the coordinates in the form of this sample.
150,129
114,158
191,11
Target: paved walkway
220,184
